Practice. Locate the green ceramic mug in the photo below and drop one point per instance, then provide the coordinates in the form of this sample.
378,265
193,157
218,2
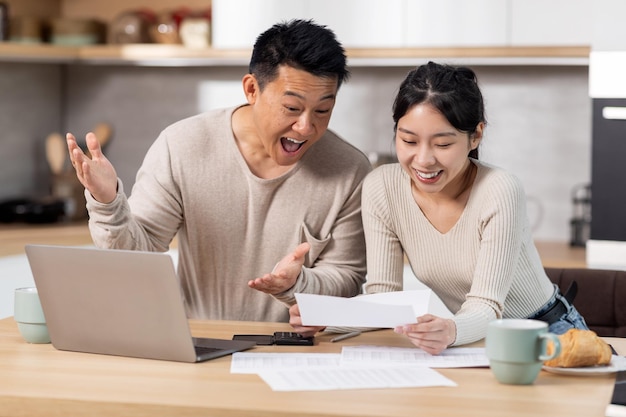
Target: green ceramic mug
29,316
517,348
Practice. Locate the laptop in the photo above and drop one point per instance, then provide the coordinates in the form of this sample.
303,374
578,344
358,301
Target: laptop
118,302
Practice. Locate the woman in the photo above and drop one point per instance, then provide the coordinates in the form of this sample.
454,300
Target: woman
461,223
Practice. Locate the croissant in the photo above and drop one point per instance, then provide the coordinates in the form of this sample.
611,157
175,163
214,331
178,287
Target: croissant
580,348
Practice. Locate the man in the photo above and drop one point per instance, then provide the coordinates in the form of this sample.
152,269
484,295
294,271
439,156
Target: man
243,186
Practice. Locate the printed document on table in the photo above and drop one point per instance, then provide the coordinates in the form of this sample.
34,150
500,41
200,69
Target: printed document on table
449,358
385,310
354,378
255,362
367,367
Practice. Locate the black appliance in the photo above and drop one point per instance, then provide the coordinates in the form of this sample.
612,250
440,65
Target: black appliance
608,170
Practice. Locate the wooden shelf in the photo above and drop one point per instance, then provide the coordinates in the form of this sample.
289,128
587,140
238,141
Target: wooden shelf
178,55
571,55
162,55
14,52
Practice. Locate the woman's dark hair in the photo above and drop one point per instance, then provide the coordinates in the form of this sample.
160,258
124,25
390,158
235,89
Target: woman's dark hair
300,44
453,91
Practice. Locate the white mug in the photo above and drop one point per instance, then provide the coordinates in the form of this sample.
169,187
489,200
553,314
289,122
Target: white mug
29,316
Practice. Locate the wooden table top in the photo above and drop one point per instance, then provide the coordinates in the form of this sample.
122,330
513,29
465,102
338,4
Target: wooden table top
38,380
561,255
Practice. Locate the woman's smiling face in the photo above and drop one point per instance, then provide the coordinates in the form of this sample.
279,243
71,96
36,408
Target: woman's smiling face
432,151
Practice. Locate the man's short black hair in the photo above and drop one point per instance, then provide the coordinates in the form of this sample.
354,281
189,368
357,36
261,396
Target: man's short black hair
300,44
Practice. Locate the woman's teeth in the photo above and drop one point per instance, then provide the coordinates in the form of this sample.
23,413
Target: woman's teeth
428,175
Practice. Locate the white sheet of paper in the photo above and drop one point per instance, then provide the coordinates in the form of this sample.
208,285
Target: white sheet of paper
354,378
255,362
423,301
449,358
385,310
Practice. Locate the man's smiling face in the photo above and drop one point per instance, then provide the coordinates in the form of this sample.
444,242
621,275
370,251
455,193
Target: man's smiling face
292,113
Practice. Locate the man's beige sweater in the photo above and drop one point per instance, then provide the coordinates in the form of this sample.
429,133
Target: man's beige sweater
233,226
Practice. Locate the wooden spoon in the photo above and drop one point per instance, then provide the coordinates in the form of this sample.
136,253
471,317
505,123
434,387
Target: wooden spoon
56,152
103,133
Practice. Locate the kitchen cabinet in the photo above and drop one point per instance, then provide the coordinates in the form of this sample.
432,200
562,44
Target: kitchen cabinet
415,23
362,23
606,247
400,33
228,32
452,23
608,170
357,23
609,30
608,203
553,22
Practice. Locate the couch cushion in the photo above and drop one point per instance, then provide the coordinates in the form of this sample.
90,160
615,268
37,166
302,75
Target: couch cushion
601,297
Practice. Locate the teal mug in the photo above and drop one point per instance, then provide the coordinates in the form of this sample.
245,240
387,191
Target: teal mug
29,316
517,348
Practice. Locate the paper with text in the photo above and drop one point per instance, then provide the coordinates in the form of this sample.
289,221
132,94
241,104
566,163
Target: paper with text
252,362
354,378
449,358
386,310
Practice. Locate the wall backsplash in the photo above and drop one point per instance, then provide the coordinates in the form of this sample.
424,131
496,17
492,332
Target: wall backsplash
539,120
31,107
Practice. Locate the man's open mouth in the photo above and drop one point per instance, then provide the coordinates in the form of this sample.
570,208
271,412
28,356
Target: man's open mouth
291,145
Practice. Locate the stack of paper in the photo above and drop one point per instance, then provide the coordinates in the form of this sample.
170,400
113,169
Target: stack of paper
356,367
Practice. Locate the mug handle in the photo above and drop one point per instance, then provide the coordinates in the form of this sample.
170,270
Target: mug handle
555,343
